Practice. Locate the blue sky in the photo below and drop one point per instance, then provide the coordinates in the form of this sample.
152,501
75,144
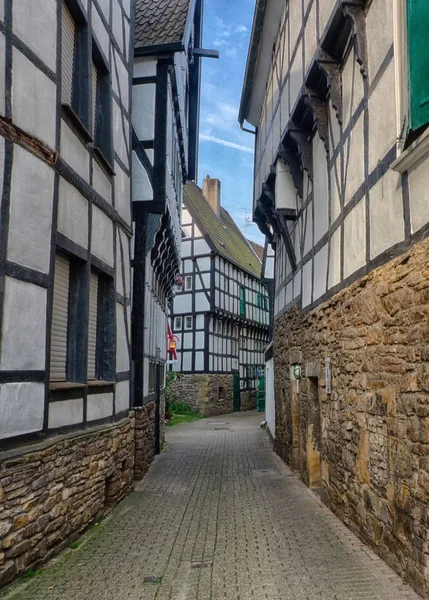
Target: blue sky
225,151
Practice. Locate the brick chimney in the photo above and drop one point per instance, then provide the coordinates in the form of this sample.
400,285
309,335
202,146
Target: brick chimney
211,192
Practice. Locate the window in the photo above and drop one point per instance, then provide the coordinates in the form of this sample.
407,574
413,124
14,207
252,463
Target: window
259,300
221,393
178,323
188,283
242,301
74,68
152,376
101,342
101,105
189,322
60,314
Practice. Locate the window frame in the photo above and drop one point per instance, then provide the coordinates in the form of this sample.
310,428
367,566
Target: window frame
186,323
178,327
189,288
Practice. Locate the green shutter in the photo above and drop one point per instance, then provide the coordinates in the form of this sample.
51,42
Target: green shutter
418,48
242,301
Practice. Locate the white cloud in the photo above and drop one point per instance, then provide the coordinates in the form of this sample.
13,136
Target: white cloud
241,29
215,140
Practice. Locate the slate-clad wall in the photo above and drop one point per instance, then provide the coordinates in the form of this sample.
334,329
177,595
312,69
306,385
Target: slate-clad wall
372,432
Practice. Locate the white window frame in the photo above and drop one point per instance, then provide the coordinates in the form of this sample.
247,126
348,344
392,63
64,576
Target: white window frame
176,326
188,279
186,322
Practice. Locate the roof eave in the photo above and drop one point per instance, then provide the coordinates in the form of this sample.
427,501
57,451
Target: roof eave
169,48
252,58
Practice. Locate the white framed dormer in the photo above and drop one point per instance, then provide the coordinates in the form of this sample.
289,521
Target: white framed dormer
419,148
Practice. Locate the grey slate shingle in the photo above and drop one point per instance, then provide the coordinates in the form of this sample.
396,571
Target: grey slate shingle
160,22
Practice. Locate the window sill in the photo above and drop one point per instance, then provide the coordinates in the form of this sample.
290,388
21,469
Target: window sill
66,385
73,120
103,161
412,155
99,383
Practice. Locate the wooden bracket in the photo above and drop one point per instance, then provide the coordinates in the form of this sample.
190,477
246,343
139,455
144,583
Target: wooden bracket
332,72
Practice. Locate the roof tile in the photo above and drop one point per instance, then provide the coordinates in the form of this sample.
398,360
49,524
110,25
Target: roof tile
160,22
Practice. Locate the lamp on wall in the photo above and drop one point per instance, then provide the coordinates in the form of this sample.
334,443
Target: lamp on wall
296,370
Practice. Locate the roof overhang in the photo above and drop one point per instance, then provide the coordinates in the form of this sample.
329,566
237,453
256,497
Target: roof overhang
266,23
159,49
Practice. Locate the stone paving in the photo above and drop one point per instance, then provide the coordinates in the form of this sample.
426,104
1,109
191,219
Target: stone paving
218,517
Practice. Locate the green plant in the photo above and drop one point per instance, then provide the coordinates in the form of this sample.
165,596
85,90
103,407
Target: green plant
181,408
31,574
74,545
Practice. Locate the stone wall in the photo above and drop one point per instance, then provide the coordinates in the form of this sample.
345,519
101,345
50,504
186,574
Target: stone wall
207,394
51,492
366,445
248,400
145,437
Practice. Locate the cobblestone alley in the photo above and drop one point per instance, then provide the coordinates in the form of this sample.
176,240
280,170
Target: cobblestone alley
218,517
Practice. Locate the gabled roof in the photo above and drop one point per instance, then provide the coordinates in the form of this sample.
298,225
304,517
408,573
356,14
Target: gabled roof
223,233
160,22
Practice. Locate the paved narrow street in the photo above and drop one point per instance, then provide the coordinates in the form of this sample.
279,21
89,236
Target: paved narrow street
218,517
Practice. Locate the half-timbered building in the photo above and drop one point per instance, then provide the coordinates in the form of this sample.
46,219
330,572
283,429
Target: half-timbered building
65,234
166,91
337,93
220,312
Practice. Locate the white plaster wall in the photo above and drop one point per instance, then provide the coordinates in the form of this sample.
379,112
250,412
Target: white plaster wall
325,10
354,160
33,100
122,193
418,178
307,224
29,241
24,322
1,10
101,183
335,259
74,152
100,32
121,81
201,302
183,303
122,396
201,247
382,117
144,67
122,239
142,189
144,110
119,142
310,37
99,406
379,39
296,77
199,361
321,196
320,272
72,214
21,408
355,234
307,273
2,73
187,361
335,190
352,86
66,412
204,263
297,284
386,213
35,23
270,409
117,23
102,236
122,355
199,339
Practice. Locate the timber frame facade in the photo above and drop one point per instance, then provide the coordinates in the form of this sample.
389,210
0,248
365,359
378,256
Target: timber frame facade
65,221
220,312
166,93
337,93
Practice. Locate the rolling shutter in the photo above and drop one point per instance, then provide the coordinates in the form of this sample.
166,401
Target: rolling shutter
418,48
68,53
94,99
60,319
92,326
